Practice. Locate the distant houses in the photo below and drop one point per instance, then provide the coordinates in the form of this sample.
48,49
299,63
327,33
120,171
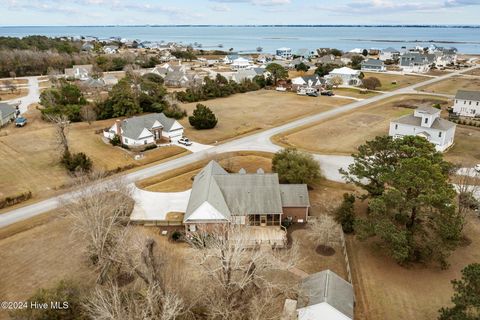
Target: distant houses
425,122
467,103
144,130
373,65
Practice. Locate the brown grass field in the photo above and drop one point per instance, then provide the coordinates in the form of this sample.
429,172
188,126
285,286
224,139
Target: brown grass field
9,95
13,81
466,150
343,134
355,93
402,80
452,85
474,72
248,112
30,159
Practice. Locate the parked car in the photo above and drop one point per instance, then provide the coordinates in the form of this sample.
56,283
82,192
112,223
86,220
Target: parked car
312,94
477,168
185,141
281,89
20,122
327,93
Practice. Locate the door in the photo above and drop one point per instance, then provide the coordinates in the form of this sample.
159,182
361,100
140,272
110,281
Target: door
263,221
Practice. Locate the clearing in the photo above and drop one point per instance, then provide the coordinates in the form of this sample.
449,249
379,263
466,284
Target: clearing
30,160
466,150
452,85
387,80
355,93
248,112
389,291
342,135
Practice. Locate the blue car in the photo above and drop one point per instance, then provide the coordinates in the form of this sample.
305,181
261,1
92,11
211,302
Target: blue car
20,122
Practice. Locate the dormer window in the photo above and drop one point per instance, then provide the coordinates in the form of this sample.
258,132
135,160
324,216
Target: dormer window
440,134
426,120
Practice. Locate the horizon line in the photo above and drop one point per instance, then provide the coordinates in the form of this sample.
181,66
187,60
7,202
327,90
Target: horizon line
253,25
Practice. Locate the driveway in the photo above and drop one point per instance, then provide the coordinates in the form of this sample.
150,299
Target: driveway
33,95
150,206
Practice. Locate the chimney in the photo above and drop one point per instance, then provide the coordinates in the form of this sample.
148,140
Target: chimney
119,127
260,171
242,171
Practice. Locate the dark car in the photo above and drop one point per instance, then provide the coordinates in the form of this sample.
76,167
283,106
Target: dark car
327,93
312,94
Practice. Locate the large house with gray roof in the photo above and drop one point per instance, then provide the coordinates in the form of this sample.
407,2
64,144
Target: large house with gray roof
7,113
467,103
425,122
373,65
416,62
326,296
144,130
254,200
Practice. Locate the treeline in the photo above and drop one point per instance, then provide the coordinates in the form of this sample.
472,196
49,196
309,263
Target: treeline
220,87
40,43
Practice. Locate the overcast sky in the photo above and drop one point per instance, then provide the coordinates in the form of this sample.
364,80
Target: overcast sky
127,12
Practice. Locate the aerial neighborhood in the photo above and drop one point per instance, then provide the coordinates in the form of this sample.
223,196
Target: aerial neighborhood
164,180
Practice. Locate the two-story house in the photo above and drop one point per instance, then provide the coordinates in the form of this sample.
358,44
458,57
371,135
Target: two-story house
467,103
425,122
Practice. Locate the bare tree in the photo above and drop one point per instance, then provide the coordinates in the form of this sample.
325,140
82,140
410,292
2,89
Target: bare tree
324,230
61,124
337,81
88,113
237,273
467,183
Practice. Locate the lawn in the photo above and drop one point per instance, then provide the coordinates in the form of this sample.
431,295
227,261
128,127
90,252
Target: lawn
342,135
355,93
181,179
452,85
30,160
474,72
13,81
386,80
385,290
253,111
9,94
466,150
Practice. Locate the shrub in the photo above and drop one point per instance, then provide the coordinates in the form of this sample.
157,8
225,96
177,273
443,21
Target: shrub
76,162
115,141
174,111
294,166
345,214
202,118
371,83
176,236
150,147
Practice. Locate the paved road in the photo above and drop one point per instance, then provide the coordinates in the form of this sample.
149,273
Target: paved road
33,95
255,142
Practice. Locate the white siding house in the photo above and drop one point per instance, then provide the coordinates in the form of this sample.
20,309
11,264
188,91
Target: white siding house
144,130
389,54
467,103
284,53
426,123
349,76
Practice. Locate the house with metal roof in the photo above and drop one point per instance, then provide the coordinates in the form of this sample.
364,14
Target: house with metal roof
256,201
325,296
425,122
373,65
416,62
467,103
145,129
7,113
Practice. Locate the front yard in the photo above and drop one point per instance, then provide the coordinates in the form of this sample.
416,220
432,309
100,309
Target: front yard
342,135
246,113
387,80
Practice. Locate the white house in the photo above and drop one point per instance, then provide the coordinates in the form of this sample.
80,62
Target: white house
349,76
313,81
467,103
110,49
284,53
230,58
79,72
7,113
325,296
425,122
373,65
146,129
389,54
241,64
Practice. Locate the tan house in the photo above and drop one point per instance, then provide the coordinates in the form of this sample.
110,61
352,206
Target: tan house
254,200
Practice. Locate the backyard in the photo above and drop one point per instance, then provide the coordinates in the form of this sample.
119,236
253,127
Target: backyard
342,135
452,85
466,150
253,111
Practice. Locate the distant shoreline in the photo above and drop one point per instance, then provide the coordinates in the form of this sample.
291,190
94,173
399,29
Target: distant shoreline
255,26
415,41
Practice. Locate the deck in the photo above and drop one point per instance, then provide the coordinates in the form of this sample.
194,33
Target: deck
272,236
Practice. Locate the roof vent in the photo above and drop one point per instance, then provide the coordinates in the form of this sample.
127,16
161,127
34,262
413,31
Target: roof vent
242,171
260,171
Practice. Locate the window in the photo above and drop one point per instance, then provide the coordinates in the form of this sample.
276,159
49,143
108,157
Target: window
465,102
126,140
440,134
470,103
145,142
192,228
396,126
426,120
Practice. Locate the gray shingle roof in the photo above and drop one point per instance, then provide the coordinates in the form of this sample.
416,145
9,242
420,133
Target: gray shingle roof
6,109
429,110
242,194
328,287
294,195
390,49
414,58
468,95
133,127
439,124
373,62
